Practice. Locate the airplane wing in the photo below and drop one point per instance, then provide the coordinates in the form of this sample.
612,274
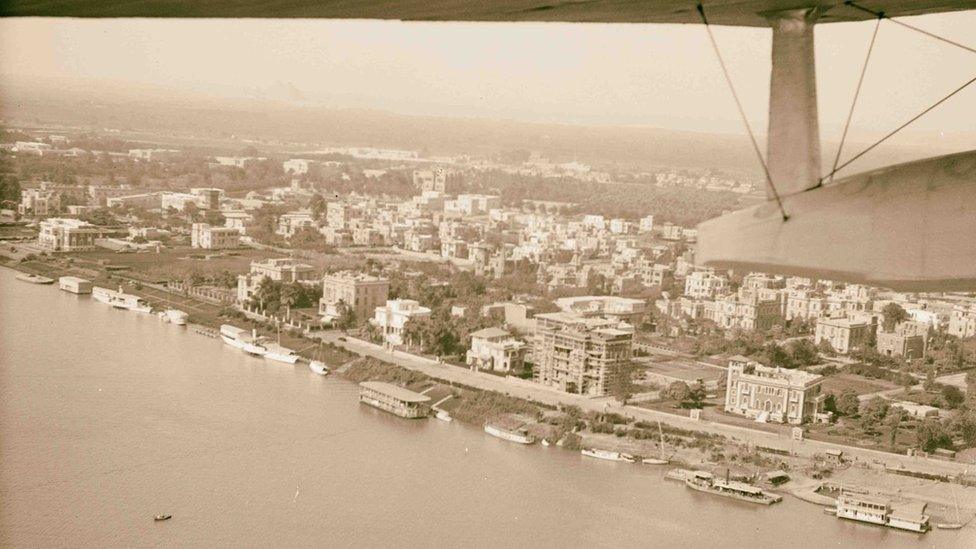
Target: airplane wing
747,13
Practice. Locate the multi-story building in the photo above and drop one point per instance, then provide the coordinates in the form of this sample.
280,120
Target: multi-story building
476,204
39,202
622,309
438,180
203,236
907,339
67,235
749,310
292,222
208,198
962,321
284,269
580,355
394,316
847,333
496,350
773,394
360,292
705,285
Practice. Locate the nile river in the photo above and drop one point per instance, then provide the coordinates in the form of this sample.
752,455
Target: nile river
108,418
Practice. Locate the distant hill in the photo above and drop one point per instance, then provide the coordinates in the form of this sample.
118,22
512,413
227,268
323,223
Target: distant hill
276,124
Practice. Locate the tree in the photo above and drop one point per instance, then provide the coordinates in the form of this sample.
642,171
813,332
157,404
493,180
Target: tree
893,314
893,422
622,385
318,205
874,411
347,316
848,403
953,396
678,391
804,352
932,434
774,354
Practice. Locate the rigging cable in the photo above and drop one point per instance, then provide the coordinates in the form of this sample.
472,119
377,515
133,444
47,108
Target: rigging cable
857,92
742,113
899,128
881,15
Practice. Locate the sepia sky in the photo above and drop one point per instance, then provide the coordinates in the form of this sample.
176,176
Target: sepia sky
656,75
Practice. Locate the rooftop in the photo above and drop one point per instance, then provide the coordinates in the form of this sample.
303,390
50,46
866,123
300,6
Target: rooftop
395,391
490,333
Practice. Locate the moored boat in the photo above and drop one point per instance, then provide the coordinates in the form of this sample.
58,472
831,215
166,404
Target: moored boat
879,510
175,316
704,481
443,416
35,279
608,455
121,300
276,352
241,339
654,461
520,435
318,367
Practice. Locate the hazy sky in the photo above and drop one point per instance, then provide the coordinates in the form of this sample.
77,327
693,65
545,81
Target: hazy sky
659,75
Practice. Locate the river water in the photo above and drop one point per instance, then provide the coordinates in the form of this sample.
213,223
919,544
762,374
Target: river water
108,418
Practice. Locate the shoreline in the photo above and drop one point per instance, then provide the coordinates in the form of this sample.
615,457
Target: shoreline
484,404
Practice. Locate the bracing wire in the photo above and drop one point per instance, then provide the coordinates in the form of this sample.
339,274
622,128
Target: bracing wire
881,15
742,112
857,92
899,128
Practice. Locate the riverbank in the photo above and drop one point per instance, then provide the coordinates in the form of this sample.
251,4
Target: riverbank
555,417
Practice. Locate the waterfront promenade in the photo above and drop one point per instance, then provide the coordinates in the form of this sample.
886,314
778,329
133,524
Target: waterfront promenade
544,395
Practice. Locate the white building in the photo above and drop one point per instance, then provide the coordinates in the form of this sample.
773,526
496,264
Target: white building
283,269
392,318
496,350
67,235
203,236
631,311
705,285
962,321
295,166
773,394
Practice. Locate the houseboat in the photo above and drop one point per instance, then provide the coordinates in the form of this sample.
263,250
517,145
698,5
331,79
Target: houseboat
704,481
519,435
607,455
394,399
121,300
75,285
35,279
879,510
242,339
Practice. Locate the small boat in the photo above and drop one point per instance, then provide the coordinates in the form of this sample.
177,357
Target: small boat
520,435
318,367
607,455
654,461
35,279
75,285
545,442
274,351
174,316
830,510
948,525
443,416
159,518
241,339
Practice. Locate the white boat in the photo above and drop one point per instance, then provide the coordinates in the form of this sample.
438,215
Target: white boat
241,339
174,316
443,416
318,367
607,455
121,300
276,352
35,279
661,460
75,285
880,510
520,436
545,442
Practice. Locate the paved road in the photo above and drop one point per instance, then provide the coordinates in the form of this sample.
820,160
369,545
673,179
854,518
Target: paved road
531,391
